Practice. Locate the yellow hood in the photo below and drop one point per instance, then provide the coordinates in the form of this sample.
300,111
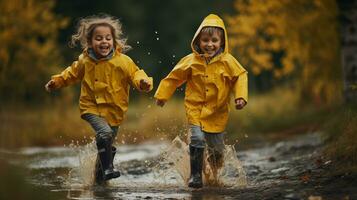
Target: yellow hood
215,21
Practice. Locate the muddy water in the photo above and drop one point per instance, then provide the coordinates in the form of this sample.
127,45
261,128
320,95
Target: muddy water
159,170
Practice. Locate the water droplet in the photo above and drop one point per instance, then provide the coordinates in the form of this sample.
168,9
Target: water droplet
245,135
173,56
160,61
149,53
137,42
157,38
156,32
137,61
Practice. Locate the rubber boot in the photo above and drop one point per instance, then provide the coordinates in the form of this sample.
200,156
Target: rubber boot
98,168
104,145
196,161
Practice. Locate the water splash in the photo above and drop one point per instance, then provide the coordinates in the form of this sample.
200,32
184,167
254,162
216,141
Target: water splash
83,175
229,174
163,166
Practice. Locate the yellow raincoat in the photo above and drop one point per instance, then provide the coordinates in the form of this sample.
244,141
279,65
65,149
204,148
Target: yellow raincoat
208,88
105,84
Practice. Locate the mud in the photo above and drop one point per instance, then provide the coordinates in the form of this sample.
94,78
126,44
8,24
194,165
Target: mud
291,169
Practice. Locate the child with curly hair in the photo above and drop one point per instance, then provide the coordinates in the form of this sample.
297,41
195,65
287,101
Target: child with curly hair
105,74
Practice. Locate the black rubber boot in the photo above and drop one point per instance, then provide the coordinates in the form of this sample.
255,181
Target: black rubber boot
104,145
196,160
98,168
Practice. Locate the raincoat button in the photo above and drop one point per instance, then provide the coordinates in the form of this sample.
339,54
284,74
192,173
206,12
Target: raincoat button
206,90
96,79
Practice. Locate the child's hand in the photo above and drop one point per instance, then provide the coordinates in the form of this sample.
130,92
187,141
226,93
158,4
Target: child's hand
160,102
240,103
50,86
144,85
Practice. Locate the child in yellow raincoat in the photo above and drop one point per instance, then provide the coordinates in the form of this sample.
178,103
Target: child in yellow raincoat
211,73
105,74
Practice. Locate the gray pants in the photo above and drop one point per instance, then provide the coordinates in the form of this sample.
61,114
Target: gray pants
100,125
199,139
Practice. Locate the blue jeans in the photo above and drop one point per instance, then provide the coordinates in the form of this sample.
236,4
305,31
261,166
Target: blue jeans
100,125
200,138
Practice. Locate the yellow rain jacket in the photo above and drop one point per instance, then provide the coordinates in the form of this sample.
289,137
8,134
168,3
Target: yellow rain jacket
105,84
208,88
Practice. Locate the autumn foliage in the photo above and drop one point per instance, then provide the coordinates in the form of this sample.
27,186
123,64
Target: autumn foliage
296,39
28,52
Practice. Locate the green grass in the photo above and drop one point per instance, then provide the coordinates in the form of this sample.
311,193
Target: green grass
341,138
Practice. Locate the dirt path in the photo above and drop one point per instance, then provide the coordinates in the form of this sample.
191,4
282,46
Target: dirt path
290,169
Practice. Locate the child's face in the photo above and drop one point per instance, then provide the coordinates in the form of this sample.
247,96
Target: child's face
210,44
102,41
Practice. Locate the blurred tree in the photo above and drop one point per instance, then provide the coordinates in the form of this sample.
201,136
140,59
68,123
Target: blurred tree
297,39
28,50
348,19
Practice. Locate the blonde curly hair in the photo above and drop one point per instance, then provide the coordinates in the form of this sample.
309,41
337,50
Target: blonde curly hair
86,27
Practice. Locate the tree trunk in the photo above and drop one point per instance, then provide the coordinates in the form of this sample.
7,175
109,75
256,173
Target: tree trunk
348,20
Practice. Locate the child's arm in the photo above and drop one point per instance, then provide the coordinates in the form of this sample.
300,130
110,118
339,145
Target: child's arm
139,78
240,89
240,86
173,80
69,76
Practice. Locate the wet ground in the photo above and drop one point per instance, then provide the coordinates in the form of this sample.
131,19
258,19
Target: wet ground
291,169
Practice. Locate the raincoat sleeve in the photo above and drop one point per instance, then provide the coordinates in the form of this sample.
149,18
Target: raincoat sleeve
137,74
173,80
240,85
70,75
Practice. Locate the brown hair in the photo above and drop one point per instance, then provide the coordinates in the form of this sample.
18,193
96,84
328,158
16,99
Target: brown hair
86,28
210,30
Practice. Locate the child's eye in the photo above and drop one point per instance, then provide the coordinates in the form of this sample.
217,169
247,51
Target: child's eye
108,37
98,38
204,40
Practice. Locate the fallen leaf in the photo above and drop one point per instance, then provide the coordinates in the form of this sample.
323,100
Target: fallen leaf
305,178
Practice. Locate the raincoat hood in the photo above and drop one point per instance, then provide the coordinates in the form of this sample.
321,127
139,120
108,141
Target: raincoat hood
215,21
